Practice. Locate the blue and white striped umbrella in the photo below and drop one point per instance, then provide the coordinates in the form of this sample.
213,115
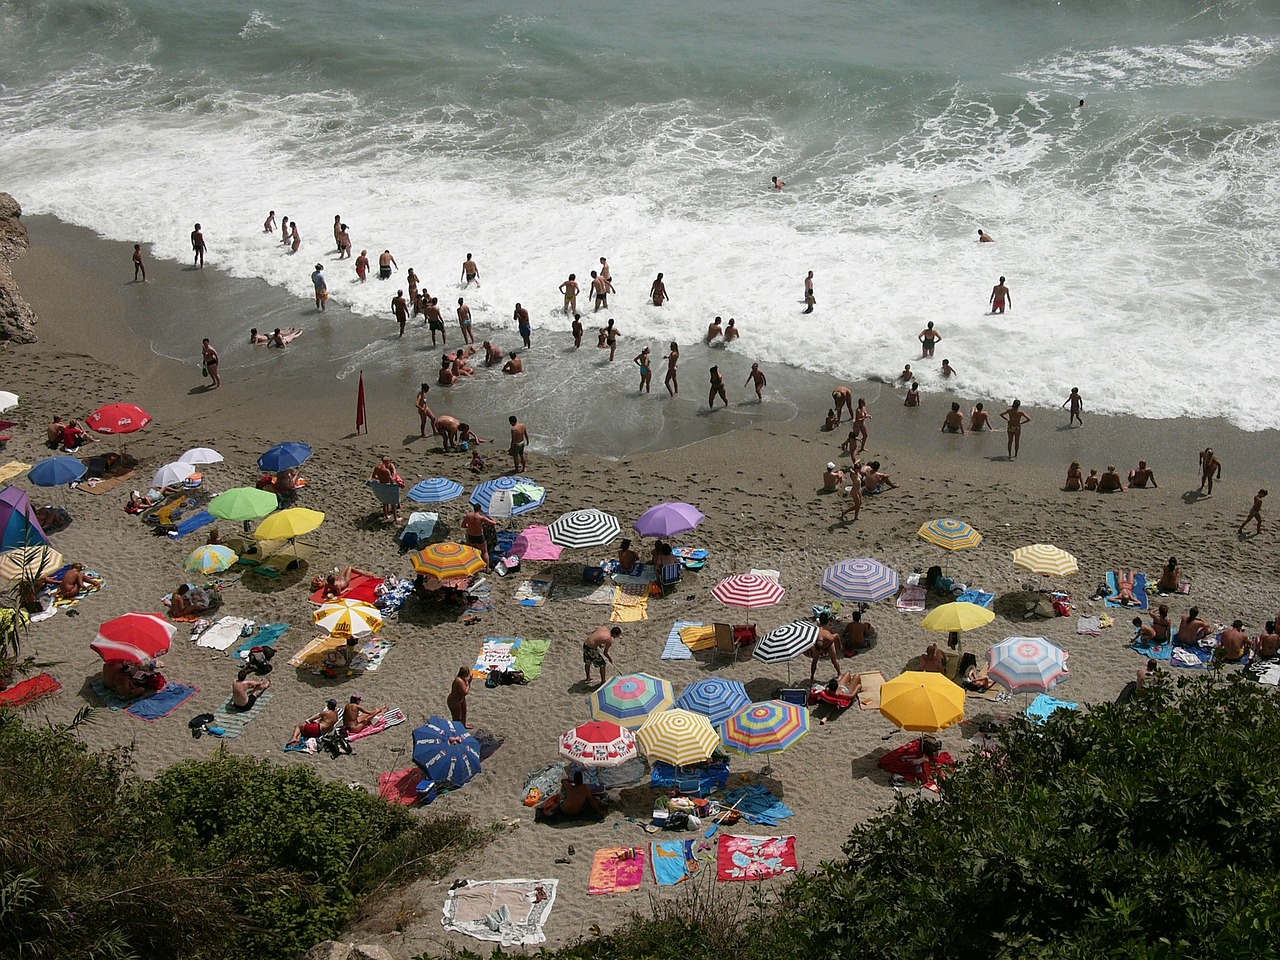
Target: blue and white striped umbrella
445,752
862,580
483,493
436,490
716,698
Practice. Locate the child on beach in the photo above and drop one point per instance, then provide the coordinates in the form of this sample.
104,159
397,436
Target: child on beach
1255,512
139,271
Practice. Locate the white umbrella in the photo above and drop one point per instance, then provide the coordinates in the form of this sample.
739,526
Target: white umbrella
200,455
8,399
171,474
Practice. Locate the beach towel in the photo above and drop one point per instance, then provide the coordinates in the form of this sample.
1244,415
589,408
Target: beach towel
869,695
911,600
675,860
758,805
616,870
311,657
980,597
1139,591
482,597
529,657
589,593
12,469
72,601
676,649
1192,658
362,587
192,523
110,699
400,786
754,858
1089,626
701,637
1043,706
232,720
392,718
691,558
224,633
1264,671
395,598
1153,651
645,577
498,654
100,485
267,635
163,703
28,691
533,593
509,912
630,604
372,652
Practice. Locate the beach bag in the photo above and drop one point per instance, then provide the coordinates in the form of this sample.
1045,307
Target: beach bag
204,371
933,578
260,660
593,575
198,724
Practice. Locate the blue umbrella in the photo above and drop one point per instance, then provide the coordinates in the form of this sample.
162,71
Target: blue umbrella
483,494
284,456
715,698
56,471
435,490
445,752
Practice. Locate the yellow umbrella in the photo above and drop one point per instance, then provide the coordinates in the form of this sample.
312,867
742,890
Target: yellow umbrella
445,561
1046,560
348,618
289,524
30,563
924,702
957,617
678,737
950,533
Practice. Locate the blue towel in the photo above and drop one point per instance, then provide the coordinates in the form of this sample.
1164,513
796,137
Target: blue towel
108,697
710,777
267,635
1201,656
1154,651
980,597
1139,591
670,861
1044,705
163,703
193,523
677,649
758,805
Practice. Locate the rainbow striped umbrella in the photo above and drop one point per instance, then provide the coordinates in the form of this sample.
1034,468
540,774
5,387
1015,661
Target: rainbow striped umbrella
679,737
628,700
768,727
447,561
862,580
211,558
950,534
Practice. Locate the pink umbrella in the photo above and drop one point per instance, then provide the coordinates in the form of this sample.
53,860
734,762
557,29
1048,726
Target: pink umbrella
535,544
748,590
134,637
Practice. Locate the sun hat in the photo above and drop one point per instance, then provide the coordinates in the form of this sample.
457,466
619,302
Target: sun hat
831,465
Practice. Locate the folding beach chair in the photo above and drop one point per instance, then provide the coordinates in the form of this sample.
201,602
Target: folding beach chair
669,576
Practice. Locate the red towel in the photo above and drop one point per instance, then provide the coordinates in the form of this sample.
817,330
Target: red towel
400,786
29,691
362,588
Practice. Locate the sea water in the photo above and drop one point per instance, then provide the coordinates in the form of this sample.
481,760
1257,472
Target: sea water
1138,235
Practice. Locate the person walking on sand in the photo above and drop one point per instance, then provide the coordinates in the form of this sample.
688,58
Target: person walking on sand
1255,512
519,444
400,309
854,494
595,650
671,381
209,356
843,399
809,300
658,292
646,372
457,699
425,413
717,389
385,262
1015,418
928,338
197,246
470,273
1000,295
860,417
1210,469
757,376
139,269
464,321
322,288
1076,403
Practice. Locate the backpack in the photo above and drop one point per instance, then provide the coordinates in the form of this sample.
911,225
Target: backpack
260,660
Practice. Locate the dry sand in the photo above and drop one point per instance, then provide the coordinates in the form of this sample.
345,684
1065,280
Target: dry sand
757,487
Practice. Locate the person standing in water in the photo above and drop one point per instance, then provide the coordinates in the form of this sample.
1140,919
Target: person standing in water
337,232
198,247
658,292
1076,404
1000,295
984,237
295,240
322,288
464,321
928,338
717,389
809,300
521,316
671,381
400,309
646,373
1015,418
209,357
756,376
284,230
139,270
570,290
470,272
362,266
269,224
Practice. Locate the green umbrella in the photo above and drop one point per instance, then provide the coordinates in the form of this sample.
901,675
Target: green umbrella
243,503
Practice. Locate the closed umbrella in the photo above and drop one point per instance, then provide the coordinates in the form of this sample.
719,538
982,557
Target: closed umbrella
584,528
118,418
201,455
862,580
289,524
348,618
1027,664
950,534
172,474
668,519
56,471
748,590
284,456
1046,560
768,727
447,561
445,752
628,700
598,743
527,494
243,503
29,563
924,702
211,558
679,737
716,698
135,637
435,490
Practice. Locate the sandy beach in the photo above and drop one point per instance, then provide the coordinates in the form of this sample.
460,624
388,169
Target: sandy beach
755,474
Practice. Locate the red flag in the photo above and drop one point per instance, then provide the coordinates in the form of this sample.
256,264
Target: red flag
360,418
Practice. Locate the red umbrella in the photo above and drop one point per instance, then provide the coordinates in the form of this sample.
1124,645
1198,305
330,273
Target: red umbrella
135,637
118,418
748,590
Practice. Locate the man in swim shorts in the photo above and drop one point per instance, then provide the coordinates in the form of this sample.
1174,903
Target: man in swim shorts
400,307
570,290
385,262
599,291
435,321
519,441
322,288
521,317
1142,476
595,650
954,420
464,321
470,272
197,245
1000,295
474,524
809,301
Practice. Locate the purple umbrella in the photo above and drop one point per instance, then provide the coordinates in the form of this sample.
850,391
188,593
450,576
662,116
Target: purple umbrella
668,519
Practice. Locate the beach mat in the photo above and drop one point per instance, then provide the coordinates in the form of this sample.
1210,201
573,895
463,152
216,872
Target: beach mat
758,805
223,633
630,604
72,601
616,870
233,721
392,718
516,910
754,858
160,705
676,648
12,469
1153,651
533,593
1139,591
1044,706
372,652
672,861
109,698
498,653
529,657
100,485
28,691
400,786
267,635
869,695
912,599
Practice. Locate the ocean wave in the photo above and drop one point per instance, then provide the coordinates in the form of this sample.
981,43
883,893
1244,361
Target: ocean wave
257,25
1190,64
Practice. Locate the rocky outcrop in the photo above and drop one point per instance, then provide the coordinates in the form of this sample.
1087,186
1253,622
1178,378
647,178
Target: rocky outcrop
17,319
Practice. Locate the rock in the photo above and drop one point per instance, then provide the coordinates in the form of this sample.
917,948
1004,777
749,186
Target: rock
17,319
329,950
371,951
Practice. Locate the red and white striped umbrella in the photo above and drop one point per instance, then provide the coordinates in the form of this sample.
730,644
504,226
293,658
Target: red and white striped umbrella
748,590
135,637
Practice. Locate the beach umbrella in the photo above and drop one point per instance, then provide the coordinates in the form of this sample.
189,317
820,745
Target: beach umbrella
534,543
136,637
118,418
529,495
7,400
284,456
448,561
957,617
716,698
768,727
668,519
786,642
348,618
435,490
924,702
201,455
1046,560
211,558
445,752
1027,664
862,580
56,471
950,534
748,590
598,743
243,503
628,700
18,524
172,474
30,563
289,524
678,737
584,528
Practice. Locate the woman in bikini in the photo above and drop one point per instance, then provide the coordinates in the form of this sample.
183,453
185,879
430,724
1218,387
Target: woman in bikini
671,382
646,374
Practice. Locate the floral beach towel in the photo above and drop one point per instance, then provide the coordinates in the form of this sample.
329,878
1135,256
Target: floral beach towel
616,870
755,858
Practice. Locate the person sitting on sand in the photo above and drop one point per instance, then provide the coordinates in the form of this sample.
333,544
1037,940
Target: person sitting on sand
1091,481
953,422
73,436
627,558
832,420
1170,577
857,635
1267,645
932,660
1234,645
75,582
338,662
1192,629
1146,674
1142,476
832,477
53,432
825,647
318,725
188,601
245,692
874,479
1075,477
1161,625
468,439
1110,481
575,799
1143,633
1125,583
477,464
356,718
281,338
912,399
662,556
130,680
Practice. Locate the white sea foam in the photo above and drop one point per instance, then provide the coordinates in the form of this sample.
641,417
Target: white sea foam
256,26
1142,67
